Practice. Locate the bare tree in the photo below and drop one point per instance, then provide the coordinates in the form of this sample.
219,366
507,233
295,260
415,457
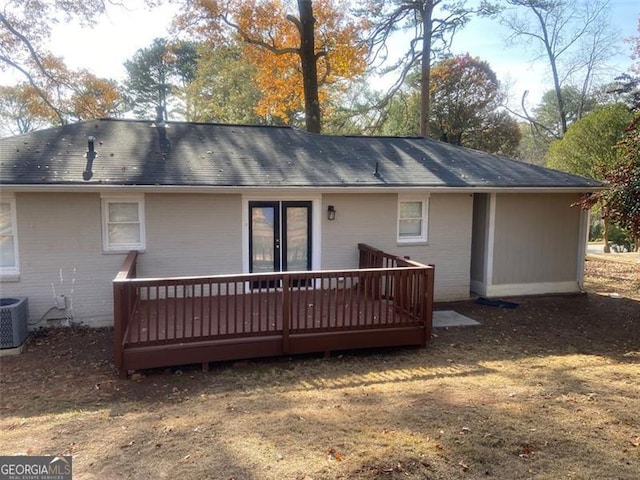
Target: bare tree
432,25
574,36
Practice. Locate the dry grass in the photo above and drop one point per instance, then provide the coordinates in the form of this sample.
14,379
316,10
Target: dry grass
547,391
608,273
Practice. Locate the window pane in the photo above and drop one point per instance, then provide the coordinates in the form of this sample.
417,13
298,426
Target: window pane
411,210
410,228
5,219
123,212
297,238
7,252
124,234
263,239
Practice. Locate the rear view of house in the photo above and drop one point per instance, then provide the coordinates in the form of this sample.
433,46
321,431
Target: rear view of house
204,199
251,240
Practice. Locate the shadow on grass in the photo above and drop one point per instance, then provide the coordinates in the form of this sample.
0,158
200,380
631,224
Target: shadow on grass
66,370
536,391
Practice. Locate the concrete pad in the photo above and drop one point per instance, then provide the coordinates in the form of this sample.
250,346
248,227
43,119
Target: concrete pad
451,318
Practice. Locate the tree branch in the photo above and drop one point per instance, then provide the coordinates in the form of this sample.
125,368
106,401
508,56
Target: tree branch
260,43
33,83
537,125
34,55
296,22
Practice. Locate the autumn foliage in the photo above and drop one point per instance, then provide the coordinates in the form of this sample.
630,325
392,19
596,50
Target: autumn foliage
465,106
51,92
272,42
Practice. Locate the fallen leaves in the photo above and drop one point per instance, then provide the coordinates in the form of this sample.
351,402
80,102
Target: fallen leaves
526,450
333,454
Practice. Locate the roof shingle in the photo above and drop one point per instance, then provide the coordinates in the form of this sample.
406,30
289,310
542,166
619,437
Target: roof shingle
132,152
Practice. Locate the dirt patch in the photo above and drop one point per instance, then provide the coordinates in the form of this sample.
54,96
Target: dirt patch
548,390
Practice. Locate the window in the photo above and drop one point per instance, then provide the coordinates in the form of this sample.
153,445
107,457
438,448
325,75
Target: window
8,238
412,220
123,224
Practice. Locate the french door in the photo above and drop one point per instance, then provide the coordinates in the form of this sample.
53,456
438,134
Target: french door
279,236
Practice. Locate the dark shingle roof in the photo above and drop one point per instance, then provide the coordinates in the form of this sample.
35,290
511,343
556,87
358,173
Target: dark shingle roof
129,152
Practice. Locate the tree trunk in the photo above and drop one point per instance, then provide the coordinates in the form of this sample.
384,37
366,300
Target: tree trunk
309,67
425,79
556,85
605,234
562,114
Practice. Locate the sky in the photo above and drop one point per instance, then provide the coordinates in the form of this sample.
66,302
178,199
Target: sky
103,48
515,65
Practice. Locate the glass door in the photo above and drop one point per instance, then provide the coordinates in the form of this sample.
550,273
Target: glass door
296,238
279,236
264,239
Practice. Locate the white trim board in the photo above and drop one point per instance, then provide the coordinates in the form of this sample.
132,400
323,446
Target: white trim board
583,241
491,236
478,287
258,190
542,288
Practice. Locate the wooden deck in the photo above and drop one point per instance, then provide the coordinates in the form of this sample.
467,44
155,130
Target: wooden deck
175,321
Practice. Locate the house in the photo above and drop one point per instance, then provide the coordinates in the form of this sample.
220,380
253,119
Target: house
204,199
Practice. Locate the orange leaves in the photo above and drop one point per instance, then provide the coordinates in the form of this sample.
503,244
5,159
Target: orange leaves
266,21
79,95
22,109
333,454
270,31
53,90
95,97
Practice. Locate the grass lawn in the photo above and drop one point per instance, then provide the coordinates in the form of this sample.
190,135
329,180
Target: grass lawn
549,390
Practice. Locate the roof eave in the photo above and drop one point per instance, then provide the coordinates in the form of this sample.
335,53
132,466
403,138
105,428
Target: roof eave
81,188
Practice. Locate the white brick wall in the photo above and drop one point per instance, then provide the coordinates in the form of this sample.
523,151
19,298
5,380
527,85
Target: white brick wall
371,219
192,235
61,248
197,234
61,254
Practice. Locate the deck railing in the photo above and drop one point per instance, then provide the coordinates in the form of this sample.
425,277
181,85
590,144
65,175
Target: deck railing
385,292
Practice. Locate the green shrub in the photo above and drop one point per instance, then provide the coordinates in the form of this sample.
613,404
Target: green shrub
596,231
620,240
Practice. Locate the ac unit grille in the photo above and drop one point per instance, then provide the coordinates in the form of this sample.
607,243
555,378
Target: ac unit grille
14,313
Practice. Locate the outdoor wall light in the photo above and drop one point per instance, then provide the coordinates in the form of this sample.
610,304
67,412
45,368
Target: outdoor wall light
331,212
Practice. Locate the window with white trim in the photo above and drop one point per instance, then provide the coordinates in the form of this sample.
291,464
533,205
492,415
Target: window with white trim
412,219
123,224
9,264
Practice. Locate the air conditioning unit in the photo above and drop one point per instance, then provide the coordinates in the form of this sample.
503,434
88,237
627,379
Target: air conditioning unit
14,313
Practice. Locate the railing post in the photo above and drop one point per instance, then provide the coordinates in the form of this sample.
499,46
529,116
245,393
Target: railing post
427,316
122,303
286,312
119,326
